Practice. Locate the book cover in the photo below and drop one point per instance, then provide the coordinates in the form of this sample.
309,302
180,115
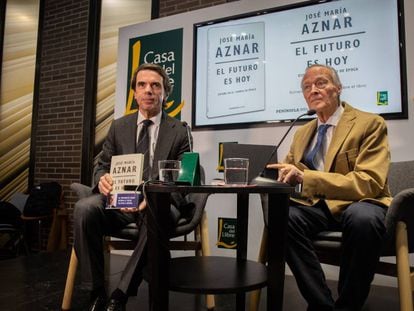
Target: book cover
125,170
236,69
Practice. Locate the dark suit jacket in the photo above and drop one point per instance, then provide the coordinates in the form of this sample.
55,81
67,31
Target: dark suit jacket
356,164
171,144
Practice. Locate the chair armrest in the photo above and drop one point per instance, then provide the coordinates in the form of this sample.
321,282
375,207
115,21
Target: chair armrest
401,209
198,200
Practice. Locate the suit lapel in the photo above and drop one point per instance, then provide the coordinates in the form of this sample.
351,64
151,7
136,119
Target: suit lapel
304,138
342,130
130,134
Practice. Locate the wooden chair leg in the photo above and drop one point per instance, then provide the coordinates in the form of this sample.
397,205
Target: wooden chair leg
205,248
403,267
262,258
205,240
70,281
199,239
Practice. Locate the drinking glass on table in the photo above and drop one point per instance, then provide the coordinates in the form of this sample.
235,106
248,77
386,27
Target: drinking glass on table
169,170
236,171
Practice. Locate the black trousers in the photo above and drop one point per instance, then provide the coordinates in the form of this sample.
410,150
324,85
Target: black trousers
363,230
92,221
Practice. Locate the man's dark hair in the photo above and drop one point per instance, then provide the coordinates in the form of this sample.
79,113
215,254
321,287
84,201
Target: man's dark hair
158,69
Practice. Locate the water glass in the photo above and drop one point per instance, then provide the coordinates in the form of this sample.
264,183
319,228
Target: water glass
236,171
169,170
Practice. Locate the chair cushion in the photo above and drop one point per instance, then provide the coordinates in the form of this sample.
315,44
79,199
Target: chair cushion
326,245
130,232
330,235
191,213
328,240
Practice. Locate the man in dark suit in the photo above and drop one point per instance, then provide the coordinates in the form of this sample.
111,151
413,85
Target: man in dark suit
341,161
168,139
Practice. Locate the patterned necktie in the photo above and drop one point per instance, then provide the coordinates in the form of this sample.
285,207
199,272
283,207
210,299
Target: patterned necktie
316,152
143,146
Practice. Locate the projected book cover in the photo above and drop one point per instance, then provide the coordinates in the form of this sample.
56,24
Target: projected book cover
236,78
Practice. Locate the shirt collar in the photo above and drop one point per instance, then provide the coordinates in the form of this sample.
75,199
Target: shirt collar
156,120
334,118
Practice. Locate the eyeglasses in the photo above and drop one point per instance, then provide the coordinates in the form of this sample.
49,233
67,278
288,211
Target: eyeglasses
319,84
154,85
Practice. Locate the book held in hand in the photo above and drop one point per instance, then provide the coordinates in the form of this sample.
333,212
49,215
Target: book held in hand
125,170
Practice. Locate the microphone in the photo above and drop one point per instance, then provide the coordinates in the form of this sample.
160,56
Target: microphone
261,179
190,164
190,141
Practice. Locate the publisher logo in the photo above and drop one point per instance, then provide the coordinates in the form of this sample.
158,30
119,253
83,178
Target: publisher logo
227,233
164,49
382,98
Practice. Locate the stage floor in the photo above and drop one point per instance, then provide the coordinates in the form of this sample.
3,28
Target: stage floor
37,282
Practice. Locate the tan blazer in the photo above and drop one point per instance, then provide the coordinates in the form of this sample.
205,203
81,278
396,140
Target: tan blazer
356,163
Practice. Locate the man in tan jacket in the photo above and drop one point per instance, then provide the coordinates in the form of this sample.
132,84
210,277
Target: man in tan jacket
341,162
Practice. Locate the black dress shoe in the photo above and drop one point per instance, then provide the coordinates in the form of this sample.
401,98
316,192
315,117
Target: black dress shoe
98,304
115,305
